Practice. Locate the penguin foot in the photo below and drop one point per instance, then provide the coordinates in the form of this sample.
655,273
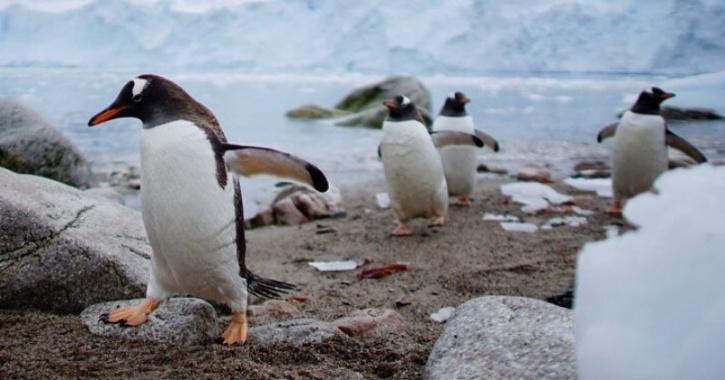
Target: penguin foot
437,221
462,201
615,209
237,330
402,230
132,315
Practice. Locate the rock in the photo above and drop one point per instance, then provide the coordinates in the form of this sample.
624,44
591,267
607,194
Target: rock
534,174
312,111
363,106
693,113
296,332
263,218
184,321
286,213
592,169
108,194
491,168
505,338
29,144
273,308
373,321
61,250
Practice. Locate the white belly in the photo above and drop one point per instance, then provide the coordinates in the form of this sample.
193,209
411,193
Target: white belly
413,171
459,162
639,155
189,218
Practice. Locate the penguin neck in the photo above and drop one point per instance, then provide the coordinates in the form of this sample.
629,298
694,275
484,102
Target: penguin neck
646,107
453,110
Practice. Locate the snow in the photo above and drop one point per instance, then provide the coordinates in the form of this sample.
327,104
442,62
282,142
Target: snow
443,314
602,186
422,38
382,200
571,221
519,227
650,303
334,266
533,195
500,218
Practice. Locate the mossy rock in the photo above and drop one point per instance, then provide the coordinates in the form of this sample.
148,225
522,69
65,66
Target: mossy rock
313,111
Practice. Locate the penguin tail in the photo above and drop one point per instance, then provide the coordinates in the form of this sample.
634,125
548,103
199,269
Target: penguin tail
265,287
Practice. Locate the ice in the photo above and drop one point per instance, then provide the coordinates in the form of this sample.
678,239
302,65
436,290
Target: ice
334,266
443,314
650,303
602,186
427,37
535,196
383,200
519,227
571,221
500,218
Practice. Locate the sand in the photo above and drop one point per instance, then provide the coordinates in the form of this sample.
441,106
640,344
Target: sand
466,258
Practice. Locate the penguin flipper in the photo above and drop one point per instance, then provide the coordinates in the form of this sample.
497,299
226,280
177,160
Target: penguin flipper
607,132
248,161
447,138
487,139
265,287
683,146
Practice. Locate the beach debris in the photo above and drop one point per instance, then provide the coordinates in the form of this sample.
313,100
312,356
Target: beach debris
373,321
571,221
334,266
534,196
381,271
443,314
383,200
534,173
301,298
519,227
500,217
602,186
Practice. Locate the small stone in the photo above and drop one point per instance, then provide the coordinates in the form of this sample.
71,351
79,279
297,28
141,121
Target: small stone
273,307
263,218
373,321
491,168
296,332
534,173
183,321
286,213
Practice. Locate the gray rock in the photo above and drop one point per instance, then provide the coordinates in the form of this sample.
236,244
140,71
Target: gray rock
505,338
61,250
297,332
363,106
108,194
177,321
29,144
297,204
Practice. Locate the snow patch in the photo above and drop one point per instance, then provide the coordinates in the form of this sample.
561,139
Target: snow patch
519,227
602,186
533,195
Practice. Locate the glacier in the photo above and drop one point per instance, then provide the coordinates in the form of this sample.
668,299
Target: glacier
421,37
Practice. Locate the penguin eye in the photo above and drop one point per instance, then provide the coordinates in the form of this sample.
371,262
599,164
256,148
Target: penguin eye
137,98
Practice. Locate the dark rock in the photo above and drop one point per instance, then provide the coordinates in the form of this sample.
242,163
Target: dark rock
693,113
184,321
61,250
312,111
29,144
505,338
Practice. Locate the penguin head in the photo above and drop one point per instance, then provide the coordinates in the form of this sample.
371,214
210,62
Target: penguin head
455,105
649,102
149,98
401,108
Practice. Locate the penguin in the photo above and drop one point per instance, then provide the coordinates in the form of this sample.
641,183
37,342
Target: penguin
413,169
639,155
459,162
191,206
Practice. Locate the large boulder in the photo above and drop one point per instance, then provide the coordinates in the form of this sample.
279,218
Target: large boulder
363,106
178,321
29,144
505,338
61,250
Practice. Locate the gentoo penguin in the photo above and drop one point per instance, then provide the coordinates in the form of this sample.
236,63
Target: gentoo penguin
459,162
640,147
413,169
192,209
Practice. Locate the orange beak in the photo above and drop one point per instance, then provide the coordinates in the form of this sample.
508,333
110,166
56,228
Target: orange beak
105,115
390,103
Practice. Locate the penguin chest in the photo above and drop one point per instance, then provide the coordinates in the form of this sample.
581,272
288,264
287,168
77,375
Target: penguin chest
459,162
639,155
189,217
413,169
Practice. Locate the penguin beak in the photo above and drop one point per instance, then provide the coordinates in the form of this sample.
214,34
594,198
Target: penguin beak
112,112
464,100
390,103
667,95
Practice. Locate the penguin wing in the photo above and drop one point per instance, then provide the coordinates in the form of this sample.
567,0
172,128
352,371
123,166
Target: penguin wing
248,161
487,139
446,138
683,146
607,132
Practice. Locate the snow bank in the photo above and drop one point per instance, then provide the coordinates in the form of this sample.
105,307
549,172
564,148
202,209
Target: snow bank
421,37
650,303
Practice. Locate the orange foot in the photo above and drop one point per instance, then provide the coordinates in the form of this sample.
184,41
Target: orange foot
237,330
462,201
132,315
615,209
402,230
437,221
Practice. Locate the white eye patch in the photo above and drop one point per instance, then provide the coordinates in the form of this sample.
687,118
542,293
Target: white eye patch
139,84
406,101
452,95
